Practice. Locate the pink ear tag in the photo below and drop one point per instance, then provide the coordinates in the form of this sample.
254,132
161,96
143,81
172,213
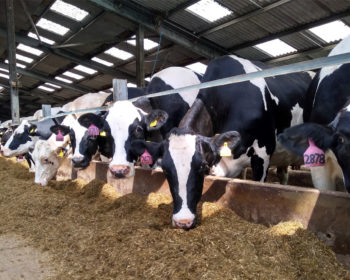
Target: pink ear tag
146,158
314,156
20,157
59,136
93,130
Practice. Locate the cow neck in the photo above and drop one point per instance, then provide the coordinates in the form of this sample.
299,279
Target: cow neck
197,119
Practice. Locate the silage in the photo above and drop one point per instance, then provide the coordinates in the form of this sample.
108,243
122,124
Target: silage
93,233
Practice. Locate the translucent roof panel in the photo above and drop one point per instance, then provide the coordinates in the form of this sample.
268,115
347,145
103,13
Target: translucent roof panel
24,58
46,88
43,39
198,67
20,65
69,10
102,61
332,31
85,69
4,70
30,50
53,85
118,53
4,76
73,75
64,80
148,44
275,47
209,10
131,85
52,26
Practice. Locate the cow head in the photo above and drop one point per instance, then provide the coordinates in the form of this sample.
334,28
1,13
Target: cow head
125,123
21,140
46,160
186,158
335,137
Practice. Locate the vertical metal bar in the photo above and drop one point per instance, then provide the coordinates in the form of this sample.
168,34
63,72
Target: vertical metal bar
140,56
46,108
120,90
11,46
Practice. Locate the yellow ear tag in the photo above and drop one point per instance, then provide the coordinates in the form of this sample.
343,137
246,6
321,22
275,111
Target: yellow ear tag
61,154
103,133
32,130
225,151
153,124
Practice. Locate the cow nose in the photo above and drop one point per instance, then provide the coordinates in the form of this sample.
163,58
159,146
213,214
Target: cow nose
77,161
120,171
185,224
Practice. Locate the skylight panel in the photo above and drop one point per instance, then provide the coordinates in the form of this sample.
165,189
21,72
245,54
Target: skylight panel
198,67
131,85
85,69
102,61
148,79
20,65
4,70
46,88
1,88
209,10
52,26
30,50
4,76
24,58
73,75
64,80
69,10
53,85
332,31
147,44
276,47
118,53
43,39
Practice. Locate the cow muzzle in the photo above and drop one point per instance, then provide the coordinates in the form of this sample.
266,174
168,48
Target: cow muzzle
120,171
185,224
80,162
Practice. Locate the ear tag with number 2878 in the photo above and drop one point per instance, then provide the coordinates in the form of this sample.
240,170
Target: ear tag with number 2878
314,156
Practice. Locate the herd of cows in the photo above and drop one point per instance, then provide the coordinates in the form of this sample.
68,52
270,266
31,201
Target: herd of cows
220,130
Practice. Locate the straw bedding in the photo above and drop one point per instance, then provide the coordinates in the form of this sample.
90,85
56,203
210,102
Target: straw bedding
92,233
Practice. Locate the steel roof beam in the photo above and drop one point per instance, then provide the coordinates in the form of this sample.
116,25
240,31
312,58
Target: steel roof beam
172,33
48,79
68,55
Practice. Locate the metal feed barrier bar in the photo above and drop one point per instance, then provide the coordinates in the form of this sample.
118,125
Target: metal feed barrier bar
275,71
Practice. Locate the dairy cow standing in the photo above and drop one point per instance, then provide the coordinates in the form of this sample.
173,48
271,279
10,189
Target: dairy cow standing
126,121
244,118
328,123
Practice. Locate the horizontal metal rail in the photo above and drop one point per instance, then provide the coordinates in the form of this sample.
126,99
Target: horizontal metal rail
275,71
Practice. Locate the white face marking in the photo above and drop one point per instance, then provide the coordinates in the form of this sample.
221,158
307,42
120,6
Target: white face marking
249,67
297,115
46,162
229,167
23,148
178,77
121,115
182,149
79,132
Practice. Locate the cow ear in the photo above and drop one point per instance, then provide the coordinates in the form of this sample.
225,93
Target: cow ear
207,149
226,142
155,149
63,128
156,119
296,137
88,119
61,152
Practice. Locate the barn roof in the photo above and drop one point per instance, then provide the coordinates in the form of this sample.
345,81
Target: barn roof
103,40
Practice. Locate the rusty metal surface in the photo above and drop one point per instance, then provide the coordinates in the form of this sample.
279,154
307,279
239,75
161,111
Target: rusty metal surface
327,214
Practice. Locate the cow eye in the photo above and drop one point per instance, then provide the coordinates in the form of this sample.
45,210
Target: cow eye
139,129
340,139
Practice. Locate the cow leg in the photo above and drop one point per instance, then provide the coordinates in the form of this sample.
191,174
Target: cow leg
259,168
282,174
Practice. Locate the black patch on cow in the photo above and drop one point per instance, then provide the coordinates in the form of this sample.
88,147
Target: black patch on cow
257,165
251,152
20,138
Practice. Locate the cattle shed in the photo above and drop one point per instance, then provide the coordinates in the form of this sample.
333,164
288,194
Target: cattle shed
106,37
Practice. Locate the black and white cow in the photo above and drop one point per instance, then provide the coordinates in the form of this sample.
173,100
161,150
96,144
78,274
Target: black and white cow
242,118
328,123
127,120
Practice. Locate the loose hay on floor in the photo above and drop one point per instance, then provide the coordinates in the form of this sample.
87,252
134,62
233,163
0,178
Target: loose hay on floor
92,233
